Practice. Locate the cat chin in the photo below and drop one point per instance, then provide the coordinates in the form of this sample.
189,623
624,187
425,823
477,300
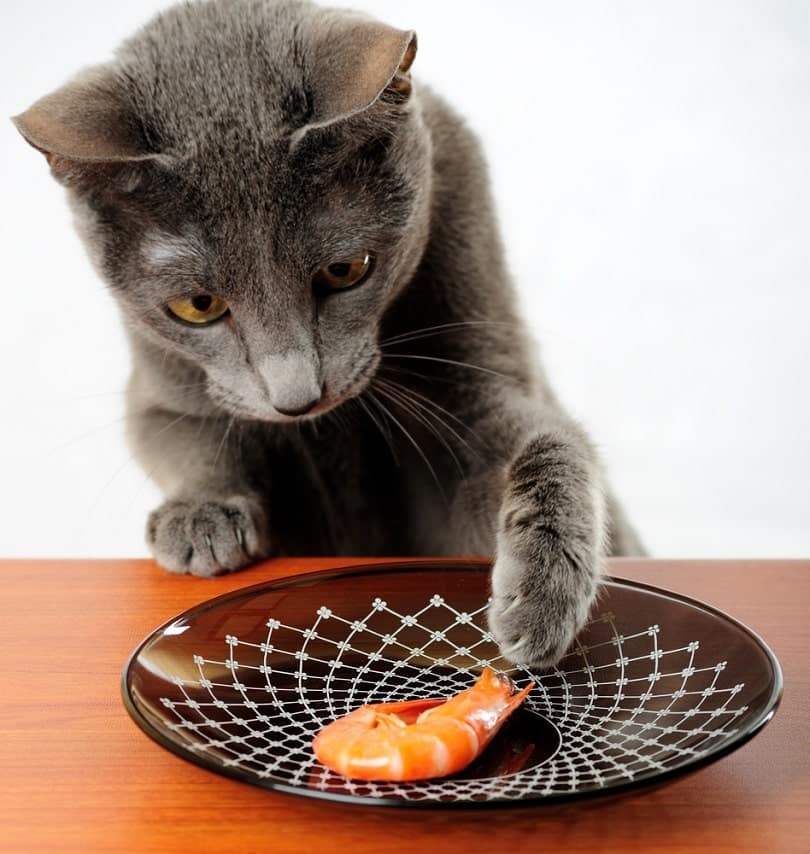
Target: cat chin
272,416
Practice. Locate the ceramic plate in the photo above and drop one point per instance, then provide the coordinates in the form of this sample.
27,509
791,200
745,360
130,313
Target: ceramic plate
655,685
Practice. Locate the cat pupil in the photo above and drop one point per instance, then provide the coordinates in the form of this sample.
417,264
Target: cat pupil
340,271
202,303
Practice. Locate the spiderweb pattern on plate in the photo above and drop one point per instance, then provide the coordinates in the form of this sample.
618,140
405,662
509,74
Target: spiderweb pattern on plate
625,707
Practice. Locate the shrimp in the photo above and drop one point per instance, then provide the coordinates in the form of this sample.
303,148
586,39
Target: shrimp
418,739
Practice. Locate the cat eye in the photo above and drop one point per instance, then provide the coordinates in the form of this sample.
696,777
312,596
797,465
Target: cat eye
344,274
199,310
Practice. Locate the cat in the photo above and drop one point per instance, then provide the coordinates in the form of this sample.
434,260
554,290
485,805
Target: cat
327,354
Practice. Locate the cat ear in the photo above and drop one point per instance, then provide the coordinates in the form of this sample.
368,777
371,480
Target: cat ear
87,121
354,61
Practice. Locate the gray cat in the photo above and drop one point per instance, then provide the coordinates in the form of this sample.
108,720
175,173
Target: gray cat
327,355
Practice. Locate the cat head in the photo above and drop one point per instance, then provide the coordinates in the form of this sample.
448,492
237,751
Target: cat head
252,179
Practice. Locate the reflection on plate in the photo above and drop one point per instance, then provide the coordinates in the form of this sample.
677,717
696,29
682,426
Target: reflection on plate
656,684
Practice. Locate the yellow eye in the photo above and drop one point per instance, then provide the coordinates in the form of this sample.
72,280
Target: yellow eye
201,309
340,275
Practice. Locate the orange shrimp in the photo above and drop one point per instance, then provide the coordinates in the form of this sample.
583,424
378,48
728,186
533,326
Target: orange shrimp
418,739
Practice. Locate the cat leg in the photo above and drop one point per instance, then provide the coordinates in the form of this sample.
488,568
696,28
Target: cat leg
551,542
213,521
542,495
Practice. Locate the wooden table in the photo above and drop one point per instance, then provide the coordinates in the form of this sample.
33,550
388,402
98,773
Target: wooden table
78,775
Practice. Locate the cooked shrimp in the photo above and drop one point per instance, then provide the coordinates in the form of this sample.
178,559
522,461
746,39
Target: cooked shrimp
418,739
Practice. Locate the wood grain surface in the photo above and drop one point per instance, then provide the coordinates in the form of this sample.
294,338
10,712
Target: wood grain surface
76,773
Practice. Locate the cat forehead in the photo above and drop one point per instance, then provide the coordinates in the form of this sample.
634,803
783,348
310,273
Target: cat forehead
198,67
163,249
259,71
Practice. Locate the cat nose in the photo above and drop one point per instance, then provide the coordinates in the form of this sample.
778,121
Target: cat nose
300,410
292,381
297,397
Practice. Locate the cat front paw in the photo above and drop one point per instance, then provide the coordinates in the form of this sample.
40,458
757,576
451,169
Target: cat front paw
550,546
539,604
207,538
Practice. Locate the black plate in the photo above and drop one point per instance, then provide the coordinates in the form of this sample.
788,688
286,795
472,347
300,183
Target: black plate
655,685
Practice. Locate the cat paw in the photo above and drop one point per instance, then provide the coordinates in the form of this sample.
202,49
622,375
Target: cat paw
207,537
538,606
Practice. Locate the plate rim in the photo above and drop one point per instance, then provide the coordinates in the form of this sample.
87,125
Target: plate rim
482,564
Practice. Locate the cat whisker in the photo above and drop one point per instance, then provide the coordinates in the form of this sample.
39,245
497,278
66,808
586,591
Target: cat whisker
413,442
453,362
427,378
182,387
166,352
379,426
203,422
122,391
342,417
131,458
430,411
231,422
429,402
383,415
100,429
441,329
399,399
333,415
93,431
147,473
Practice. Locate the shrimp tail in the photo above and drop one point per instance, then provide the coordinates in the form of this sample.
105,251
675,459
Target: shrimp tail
493,686
517,700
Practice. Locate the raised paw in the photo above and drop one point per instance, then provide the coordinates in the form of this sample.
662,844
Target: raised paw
207,537
538,607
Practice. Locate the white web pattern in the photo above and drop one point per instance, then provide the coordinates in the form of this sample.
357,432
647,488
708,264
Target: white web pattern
625,708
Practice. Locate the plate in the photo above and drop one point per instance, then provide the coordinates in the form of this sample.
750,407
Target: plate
655,685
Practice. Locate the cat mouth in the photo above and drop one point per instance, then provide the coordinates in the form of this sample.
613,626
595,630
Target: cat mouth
365,367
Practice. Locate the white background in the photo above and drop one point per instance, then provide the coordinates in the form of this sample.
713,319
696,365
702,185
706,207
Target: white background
651,163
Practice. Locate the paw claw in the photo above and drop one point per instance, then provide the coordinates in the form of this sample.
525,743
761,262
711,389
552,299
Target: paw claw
513,649
210,543
518,600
